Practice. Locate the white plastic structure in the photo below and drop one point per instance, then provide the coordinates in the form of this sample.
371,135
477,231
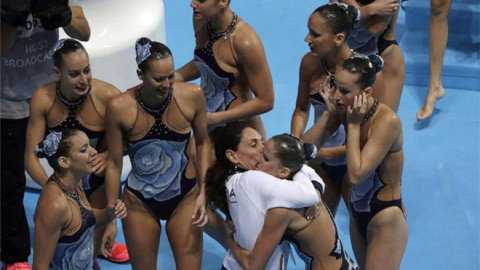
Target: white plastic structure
115,26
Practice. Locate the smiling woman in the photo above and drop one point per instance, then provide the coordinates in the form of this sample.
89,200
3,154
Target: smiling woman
110,45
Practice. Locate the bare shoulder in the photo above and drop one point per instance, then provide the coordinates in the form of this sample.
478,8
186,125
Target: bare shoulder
388,119
43,97
188,92
245,38
104,91
123,101
309,64
52,204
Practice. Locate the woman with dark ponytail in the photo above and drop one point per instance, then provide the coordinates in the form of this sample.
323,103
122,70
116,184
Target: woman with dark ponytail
64,219
237,187
378,227
316,240
329,27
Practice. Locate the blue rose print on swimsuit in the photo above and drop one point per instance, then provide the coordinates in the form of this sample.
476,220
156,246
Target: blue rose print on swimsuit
77,255
157,168
215,88
363,193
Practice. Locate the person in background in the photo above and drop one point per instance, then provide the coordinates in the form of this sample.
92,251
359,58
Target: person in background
64,220
438,36
75,100
156,120
375,32
29,33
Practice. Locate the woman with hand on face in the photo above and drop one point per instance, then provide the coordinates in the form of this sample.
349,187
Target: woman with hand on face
378,228
64,219
244,194
78,101
316,239
156,120
329,27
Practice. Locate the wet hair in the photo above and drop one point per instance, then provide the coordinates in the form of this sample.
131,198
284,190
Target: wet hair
292,152
55,145
228,138
147,50
365,66
340,18
65,46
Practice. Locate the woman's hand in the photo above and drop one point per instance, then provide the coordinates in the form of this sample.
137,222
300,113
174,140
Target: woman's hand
100,163
327,92
355,114
384,7
200,211
313,211
108,238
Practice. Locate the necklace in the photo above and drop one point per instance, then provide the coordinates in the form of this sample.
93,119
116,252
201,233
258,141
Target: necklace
231,26
68,103
86,121
150,110
73,195
370,113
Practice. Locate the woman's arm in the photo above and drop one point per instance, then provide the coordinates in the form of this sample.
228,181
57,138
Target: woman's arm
276,222
78,28
203,150
51,216
188,72
37,125
302,108
375,16
114,134
385,131
252,60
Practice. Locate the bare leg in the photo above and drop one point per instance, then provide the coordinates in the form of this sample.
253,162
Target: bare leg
142,233
215,228
185,238
98,200
393,70
387,236
438,35
359,244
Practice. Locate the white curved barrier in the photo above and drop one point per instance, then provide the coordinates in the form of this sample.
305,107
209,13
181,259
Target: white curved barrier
115,26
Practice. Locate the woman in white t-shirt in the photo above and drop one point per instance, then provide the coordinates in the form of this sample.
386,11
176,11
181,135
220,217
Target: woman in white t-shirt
245,195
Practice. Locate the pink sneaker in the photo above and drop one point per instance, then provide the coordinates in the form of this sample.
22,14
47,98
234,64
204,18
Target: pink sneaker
119,254
17,266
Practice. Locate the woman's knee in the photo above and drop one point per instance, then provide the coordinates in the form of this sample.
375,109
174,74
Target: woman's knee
440,7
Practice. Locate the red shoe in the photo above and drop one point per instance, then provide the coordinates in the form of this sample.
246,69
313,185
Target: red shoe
119,254
17,266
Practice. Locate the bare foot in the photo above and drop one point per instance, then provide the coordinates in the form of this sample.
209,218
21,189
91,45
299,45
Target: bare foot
432,97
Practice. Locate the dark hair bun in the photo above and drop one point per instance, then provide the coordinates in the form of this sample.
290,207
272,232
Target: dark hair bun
310,151
377,61
354,12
